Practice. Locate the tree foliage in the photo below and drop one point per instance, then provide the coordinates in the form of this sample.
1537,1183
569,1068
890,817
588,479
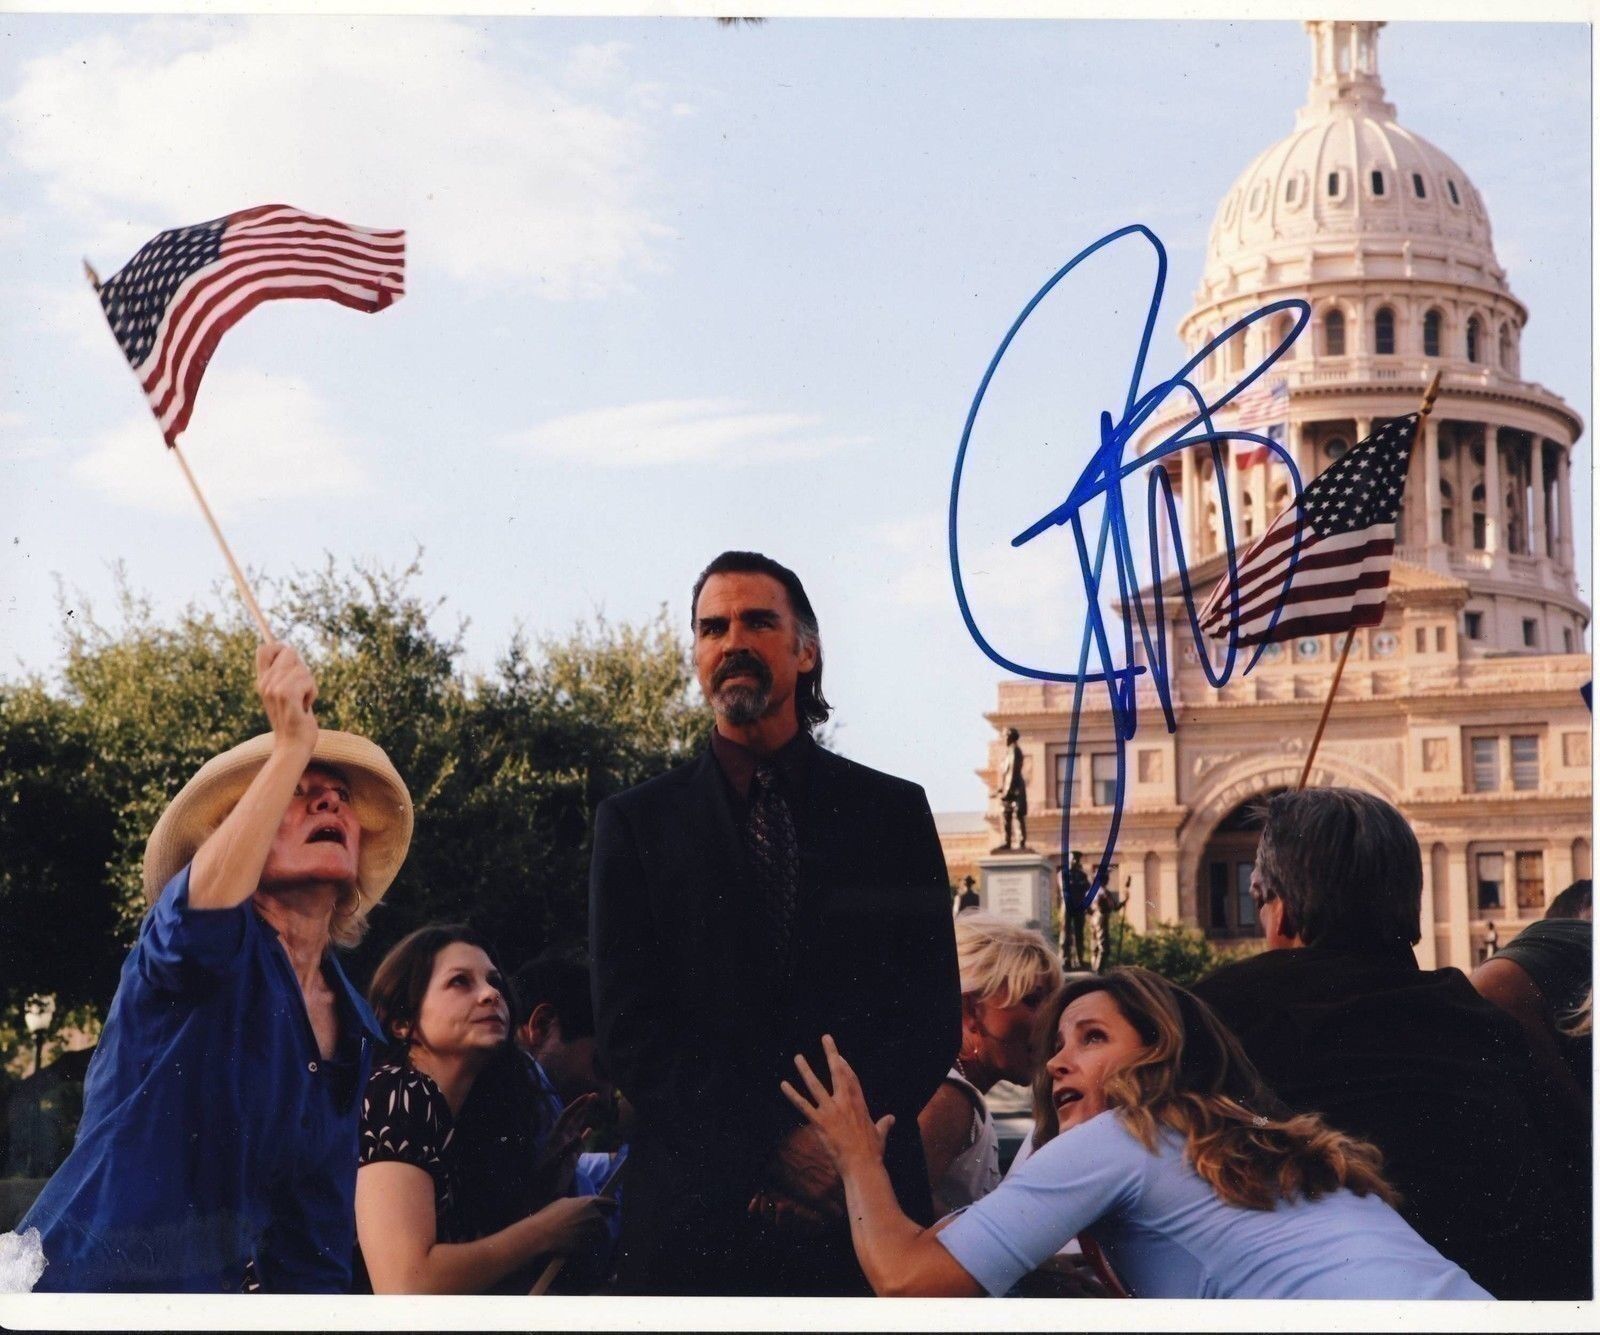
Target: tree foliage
1179,953
505,768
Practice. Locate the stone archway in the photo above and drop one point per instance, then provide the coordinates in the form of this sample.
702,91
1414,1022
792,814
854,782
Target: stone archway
1234,785
1222,891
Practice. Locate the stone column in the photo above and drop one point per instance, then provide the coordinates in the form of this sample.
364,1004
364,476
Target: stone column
1564,506
1536,531
1493,501
1457,945
1191,503
1430,484
1428,945
1235,499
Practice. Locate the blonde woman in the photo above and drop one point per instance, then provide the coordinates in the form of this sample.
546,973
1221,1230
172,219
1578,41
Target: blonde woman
1007,974
1157,1137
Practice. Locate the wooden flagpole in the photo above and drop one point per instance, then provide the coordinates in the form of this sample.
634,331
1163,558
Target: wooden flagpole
239,581
1428,396
608,1189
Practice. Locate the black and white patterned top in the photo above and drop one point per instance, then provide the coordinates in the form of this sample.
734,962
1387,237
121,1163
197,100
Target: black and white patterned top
405,1119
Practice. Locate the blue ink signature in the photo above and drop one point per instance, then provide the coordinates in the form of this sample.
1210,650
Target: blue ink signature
1103,476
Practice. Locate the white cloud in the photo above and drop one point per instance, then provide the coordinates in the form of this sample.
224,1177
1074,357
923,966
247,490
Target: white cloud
277,443
499,175
674,431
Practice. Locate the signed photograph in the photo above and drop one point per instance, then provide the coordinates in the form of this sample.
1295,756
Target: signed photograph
786,657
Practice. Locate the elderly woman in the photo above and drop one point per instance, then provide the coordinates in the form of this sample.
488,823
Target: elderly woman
217,1147
1157,1137
1007,973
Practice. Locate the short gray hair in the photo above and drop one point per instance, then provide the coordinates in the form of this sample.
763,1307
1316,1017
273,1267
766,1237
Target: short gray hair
1346,866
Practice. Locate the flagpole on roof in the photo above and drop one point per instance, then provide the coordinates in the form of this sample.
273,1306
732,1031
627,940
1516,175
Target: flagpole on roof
1428,396
239,581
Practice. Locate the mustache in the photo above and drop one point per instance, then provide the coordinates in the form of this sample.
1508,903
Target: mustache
742,663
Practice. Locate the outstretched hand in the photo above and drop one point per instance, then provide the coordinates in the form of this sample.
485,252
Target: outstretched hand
841,1115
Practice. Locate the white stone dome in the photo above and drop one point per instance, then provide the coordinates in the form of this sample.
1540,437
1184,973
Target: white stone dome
1349,174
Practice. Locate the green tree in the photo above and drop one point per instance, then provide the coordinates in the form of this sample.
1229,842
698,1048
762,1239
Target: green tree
1179,953
505,769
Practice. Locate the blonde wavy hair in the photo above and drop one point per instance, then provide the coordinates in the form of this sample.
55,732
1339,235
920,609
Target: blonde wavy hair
1193,1078
1001,960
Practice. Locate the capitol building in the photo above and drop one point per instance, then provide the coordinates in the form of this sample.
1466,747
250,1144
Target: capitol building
1463,708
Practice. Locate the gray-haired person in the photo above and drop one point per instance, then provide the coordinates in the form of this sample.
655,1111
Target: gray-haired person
1340,1019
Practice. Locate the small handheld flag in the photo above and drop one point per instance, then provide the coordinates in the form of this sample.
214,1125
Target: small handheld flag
170,305
1326,559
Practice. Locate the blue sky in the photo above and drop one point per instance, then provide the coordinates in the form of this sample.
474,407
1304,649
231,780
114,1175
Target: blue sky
672,288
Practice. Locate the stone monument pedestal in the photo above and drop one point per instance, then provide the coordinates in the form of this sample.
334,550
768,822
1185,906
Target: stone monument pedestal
1019,887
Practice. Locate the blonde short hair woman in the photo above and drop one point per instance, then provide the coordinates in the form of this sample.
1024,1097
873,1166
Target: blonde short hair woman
1007,973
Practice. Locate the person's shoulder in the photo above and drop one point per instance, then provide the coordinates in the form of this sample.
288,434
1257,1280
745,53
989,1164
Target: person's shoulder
661,787
1249,972
842,770
395,1090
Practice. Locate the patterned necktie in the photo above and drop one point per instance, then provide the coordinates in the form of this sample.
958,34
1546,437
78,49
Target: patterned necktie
775,857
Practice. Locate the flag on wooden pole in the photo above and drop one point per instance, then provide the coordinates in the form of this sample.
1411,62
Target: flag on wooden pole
170,305
1323,565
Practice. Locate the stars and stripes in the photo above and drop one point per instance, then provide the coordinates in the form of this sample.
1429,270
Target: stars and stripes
1326,558
172,302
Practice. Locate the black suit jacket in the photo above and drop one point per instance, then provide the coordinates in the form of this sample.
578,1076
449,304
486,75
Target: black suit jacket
1440,1080
697,1029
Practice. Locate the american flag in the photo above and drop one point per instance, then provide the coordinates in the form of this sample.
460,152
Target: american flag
1262,408
1326,558
170,305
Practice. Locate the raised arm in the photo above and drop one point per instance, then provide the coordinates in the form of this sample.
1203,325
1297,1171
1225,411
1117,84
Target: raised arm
898,1256
227,869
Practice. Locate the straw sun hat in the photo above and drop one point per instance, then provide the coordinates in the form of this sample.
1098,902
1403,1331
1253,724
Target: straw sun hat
377,794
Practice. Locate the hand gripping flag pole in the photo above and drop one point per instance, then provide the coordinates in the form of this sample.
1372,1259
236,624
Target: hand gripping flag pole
170,305
1428,397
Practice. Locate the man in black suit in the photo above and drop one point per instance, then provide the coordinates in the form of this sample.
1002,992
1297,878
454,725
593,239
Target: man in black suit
741,906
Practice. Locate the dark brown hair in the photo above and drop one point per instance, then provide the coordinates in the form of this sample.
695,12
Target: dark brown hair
1194,1078
401,980
809,705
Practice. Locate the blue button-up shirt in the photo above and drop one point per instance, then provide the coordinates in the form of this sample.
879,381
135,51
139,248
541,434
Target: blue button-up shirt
213,1132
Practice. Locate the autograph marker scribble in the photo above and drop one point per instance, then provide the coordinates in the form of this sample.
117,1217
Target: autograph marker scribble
1103,476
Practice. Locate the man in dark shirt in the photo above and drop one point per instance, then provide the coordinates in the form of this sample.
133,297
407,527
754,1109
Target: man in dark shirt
1340,1020
742,906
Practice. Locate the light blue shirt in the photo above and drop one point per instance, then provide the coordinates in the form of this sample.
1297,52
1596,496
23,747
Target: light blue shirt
1168,1235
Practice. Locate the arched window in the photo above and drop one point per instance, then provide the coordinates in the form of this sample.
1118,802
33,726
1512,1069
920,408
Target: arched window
1432,328
1455,197
1447,513
1417,185
1480,520
1333,333
1505,348
1289,188
1474,338
1335,448
1246,519
1280,332
1377,184
1383,332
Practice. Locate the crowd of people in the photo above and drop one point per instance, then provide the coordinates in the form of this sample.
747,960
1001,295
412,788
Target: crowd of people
786,1044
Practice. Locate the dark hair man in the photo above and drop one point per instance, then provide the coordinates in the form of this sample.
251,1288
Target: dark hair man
762,895
554,1023
1339,1019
